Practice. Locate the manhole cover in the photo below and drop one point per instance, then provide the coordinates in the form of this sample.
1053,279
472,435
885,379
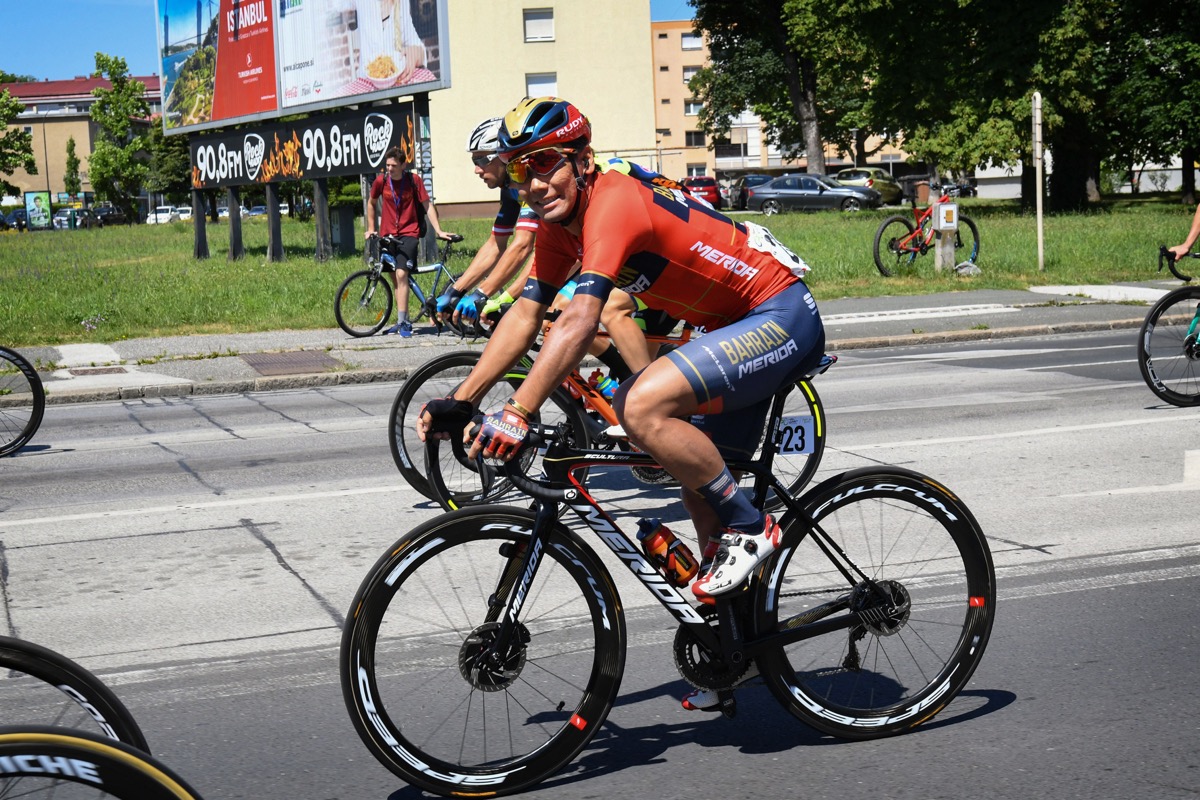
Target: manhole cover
98,371
298,363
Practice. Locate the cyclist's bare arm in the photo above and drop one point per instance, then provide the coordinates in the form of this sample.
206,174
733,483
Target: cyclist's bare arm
1182,250
512,339
617,318
515,257
482,263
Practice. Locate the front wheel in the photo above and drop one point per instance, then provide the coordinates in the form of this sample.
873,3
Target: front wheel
851,204
771,207
800,444
437,698
364,303
894,246
966,244
22,401
901,559
1169,347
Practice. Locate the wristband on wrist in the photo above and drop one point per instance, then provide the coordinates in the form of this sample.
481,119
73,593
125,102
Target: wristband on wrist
520,409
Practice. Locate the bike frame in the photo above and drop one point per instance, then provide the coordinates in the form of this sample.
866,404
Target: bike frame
561,462
922,238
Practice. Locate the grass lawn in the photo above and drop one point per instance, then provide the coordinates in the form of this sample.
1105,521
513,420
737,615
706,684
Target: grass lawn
125,282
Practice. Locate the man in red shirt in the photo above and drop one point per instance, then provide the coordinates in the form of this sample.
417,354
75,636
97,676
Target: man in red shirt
698,404
400,191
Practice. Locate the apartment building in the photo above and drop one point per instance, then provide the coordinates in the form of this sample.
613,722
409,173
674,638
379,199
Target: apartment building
56,111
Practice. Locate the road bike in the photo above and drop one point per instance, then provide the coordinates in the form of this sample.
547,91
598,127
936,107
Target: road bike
486,647
365,300
590,419
1168,345
899,240
22,401
66,735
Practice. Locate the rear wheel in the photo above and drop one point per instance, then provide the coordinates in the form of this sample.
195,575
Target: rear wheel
851,204
22,401
966,240
906,564
893,248
364,303
1169,347
427,690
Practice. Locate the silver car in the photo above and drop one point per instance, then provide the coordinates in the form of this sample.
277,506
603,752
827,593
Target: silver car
809,193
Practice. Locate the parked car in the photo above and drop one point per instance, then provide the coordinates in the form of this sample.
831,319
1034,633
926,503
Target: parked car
84,218
704,187
16,219
739,192
810,193
258,211
185,213
875,178
4,226
284,208
162,214
110,215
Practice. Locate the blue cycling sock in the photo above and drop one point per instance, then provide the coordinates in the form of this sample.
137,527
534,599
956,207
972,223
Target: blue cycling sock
732,505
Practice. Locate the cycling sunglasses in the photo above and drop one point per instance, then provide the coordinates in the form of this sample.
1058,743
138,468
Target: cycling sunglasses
483,161
539,162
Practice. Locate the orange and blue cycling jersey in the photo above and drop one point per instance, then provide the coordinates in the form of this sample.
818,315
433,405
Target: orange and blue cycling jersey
513,215
667,249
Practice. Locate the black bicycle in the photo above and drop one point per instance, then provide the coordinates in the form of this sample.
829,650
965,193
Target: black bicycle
22,401
365,300
486,647
1168,345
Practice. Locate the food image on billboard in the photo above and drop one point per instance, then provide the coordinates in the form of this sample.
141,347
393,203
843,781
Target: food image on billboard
218,60
332,49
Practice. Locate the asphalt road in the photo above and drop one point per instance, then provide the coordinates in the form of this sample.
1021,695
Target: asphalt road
200,554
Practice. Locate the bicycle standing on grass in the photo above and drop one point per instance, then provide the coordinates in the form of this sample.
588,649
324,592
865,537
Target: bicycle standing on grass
364,300
22,401
1168,345
899,240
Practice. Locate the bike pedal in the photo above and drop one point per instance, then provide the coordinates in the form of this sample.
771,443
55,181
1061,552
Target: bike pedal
728,705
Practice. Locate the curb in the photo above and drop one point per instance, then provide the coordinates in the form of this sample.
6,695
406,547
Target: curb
365,376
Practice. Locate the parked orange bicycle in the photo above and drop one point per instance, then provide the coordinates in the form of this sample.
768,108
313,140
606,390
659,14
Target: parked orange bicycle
900,240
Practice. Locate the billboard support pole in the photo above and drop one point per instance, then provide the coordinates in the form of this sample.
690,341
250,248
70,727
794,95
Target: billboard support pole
423,161
199,226
321,216
275,230
233,199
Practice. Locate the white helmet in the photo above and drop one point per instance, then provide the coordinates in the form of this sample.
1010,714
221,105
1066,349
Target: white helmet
484,137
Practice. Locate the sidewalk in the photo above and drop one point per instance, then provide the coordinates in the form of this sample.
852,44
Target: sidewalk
248,362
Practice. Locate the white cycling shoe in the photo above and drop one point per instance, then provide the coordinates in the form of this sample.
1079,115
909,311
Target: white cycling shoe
708,700
738,556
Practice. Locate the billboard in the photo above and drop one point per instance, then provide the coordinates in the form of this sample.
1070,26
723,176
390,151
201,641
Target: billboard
230,61
344,143
37,211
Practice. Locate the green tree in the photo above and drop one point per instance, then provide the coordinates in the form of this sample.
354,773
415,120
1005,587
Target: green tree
119,164
16,146
8,77
71,180
170,169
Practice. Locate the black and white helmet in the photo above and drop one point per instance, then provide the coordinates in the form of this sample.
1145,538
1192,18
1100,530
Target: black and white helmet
484,137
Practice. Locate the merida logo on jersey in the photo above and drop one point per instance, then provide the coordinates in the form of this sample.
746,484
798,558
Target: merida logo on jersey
734,265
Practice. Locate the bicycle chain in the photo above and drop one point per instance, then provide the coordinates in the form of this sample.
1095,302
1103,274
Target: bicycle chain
696,663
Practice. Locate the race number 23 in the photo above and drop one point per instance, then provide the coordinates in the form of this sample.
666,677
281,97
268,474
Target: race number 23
796,435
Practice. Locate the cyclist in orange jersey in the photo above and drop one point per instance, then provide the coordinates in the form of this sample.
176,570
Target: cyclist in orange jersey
688,408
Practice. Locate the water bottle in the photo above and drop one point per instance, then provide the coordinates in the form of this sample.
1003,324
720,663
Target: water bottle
604,384
666,552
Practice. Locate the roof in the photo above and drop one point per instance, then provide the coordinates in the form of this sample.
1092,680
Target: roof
45,91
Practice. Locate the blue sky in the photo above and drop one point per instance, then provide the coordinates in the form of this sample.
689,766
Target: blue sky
58,39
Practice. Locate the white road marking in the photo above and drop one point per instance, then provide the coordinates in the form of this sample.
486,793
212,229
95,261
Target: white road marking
915,313
1190,482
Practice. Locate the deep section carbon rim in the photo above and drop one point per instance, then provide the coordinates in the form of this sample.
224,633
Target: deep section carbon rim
22,401
1169,347
431,693
911,563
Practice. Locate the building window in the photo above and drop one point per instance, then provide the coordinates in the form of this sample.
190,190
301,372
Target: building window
692,107
539,25
728,150
696,170
694,138
689,73
662,36
664,69
664,132
692,41
544,84
666,101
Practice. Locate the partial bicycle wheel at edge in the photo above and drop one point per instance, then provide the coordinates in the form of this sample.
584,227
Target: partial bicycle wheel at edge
22,401
1169,347
423,696
364,305
923,588
41,687
801,444
891,248
84,766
